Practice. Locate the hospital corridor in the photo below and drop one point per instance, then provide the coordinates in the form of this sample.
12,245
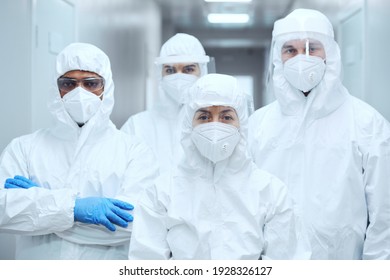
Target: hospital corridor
244,39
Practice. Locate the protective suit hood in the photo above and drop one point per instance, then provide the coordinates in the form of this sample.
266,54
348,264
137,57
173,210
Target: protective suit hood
329,94
215,90
181,48
160,125
85,57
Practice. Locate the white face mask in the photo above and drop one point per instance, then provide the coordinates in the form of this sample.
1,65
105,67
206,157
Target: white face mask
81,104
304,72
177,85
215,140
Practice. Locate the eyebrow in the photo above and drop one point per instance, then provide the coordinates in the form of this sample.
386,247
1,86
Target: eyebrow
202,111
316,44
287,46
227,111
82,78
207,111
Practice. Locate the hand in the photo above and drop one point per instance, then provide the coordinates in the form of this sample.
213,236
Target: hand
104,211
19,182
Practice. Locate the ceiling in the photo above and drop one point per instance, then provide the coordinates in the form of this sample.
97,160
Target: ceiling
190,16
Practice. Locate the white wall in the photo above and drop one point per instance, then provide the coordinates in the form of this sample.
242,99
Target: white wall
15,77
28,52
363,41
352,47
15,73
377,90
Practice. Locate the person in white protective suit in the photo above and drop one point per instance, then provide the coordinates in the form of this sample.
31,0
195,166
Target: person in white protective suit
67,190
216,204
331,149
181,62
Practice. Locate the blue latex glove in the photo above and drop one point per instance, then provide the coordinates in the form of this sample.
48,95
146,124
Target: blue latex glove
19,182
103,211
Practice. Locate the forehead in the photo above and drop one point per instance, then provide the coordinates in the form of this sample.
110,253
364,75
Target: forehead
216,109
301,43
181,65
80,74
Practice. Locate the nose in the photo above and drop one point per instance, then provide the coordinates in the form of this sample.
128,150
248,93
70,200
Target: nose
302,51
79,84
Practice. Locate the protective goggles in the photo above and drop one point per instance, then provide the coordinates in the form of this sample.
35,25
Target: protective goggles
91,84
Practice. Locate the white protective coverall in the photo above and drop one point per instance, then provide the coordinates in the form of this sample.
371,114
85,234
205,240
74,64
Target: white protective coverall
68,162
227,210
331,149
160,126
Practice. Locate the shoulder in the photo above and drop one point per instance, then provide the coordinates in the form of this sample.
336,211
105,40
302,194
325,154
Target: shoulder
134,142
29,139
263,110
260,113
160,190
260,117
363,110
265,178
138,122
19,149
368,120
128,143
144,115
266,182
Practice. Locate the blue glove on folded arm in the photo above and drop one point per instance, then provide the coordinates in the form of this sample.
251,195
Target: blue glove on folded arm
19,182
103,211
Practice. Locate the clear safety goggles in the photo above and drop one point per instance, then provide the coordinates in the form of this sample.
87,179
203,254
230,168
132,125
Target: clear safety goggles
91,84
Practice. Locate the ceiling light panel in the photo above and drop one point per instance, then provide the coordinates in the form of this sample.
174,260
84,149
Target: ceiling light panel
228,18
229,1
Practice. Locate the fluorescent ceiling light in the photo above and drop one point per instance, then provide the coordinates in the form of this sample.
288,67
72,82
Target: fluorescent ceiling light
228,18
236,1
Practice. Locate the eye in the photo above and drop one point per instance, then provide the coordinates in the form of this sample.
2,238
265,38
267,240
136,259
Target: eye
169,70
93,84
315,48
227,118
66,84
289,50
203,117
189,69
